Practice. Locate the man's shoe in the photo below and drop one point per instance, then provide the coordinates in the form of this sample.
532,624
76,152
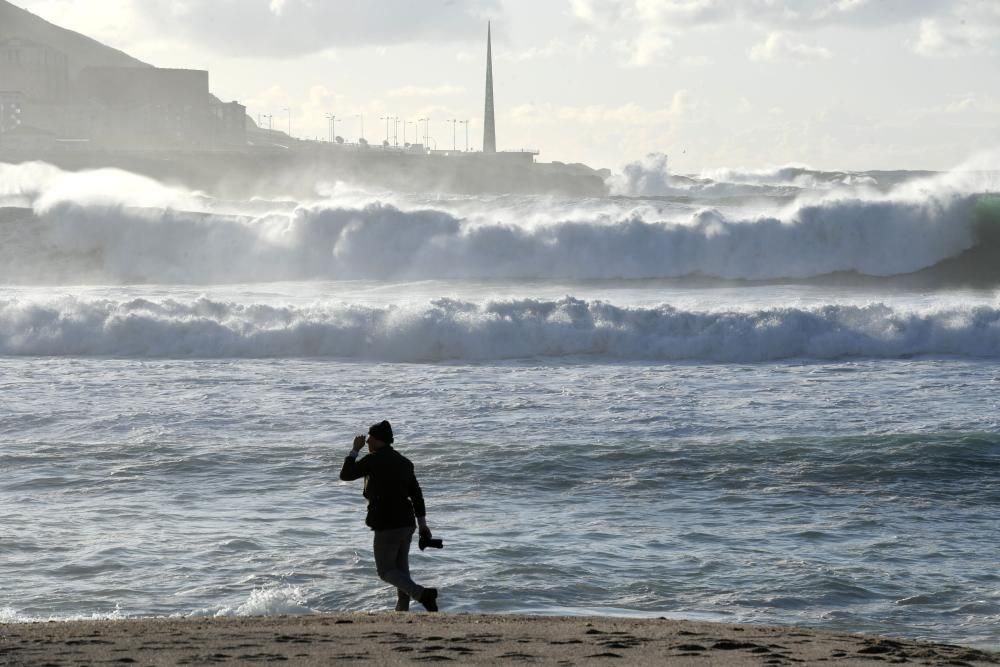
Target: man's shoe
429,599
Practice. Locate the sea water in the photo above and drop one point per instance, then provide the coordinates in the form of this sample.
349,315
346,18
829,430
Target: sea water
766,397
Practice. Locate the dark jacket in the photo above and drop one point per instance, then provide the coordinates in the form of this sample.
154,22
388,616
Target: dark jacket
393,494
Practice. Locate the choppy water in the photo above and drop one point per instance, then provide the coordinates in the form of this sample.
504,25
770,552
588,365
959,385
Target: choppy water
781,452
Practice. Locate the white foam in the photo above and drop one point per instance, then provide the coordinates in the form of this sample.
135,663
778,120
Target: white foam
799,175
651,177
11,615
267,601
48,187
86,244
98,236
446,329
648,177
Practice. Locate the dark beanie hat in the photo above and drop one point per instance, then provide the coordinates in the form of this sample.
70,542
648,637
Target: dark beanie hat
382,431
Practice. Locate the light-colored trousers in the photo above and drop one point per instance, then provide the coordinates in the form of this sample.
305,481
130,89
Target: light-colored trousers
392,561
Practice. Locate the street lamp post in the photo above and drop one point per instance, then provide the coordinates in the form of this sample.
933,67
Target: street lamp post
386,119
454,124
466,123
425,122
331,126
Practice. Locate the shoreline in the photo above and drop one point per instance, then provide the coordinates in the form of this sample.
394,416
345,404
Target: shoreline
392,638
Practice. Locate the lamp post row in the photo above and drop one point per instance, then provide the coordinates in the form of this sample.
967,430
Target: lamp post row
394,120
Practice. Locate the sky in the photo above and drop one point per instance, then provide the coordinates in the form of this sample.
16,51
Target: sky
829,84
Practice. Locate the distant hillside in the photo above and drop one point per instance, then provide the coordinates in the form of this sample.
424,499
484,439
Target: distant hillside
82,51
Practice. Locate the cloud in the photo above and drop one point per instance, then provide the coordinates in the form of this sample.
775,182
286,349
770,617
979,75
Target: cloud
555,48
974,29
769,14
630,114
598,12
975,104
268,100
697,61
967,104
287,28
652,45
104,20
426,91
682,103
946,27
779,47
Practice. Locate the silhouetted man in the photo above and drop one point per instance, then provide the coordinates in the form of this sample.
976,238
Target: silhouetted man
394,499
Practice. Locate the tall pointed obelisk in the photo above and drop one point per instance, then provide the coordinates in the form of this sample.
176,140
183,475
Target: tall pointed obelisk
489,128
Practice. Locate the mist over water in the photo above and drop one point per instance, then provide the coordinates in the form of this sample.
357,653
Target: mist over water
760,395
112,227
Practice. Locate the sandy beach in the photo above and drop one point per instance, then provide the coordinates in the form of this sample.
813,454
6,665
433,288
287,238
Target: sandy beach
398,639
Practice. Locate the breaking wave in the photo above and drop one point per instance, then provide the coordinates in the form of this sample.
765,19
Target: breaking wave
799,176
651,177
113,227
447,329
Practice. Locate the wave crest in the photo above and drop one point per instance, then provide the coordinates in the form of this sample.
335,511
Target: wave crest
447,329
86,244
71,238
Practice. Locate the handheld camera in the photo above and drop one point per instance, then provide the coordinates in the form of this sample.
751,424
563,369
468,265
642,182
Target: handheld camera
433,542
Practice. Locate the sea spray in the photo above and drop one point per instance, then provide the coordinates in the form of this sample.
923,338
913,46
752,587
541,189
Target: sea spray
649,177
109,226
449,329
272,600
74,244
47,187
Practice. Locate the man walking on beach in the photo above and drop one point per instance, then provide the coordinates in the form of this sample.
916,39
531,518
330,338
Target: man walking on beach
394,499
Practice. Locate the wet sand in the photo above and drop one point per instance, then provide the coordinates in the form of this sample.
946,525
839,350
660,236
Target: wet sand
461,639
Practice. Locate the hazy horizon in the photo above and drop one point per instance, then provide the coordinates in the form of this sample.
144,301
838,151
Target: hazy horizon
852,85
